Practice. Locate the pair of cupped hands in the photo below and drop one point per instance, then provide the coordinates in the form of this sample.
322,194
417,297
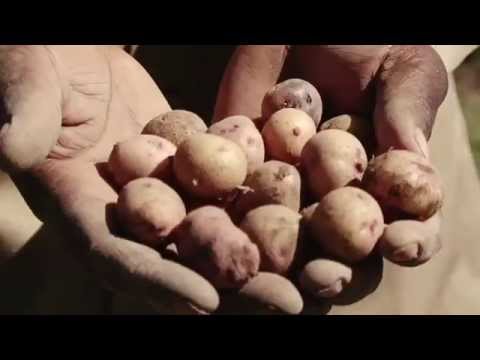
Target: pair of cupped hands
62,109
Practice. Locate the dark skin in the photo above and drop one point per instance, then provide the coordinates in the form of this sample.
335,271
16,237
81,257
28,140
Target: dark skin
64,107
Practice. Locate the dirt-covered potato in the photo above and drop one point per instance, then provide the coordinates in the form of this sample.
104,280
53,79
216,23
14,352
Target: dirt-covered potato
275,229
209,243
347,224
209,166
149,210
176,126
332,159
141,156
409,242
242,131
286,133
293,93
273,182
405,181
325,278
358,126
266,293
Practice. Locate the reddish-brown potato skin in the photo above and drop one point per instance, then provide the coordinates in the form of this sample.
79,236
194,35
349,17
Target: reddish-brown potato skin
406,182
209,167
149,210
275,229
332,159
141,156
293,93
347,224
286,133
209,243
175,126
273,182
242,131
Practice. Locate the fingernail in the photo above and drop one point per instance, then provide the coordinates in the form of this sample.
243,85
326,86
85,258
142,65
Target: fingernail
421,142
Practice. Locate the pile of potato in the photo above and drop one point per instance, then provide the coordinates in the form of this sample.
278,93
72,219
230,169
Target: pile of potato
278,210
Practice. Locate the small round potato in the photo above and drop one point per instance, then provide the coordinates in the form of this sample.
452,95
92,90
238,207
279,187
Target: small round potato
403,180
286,133
150,209
411,243
242,131
275,229
266,293
209,243
325,278
294,93
359,127
333,159
141,156
347,224
176,126
273,182
209,166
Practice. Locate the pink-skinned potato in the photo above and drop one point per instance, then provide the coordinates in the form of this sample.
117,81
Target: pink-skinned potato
209,243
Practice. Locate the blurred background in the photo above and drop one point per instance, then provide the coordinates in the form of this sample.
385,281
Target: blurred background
468,85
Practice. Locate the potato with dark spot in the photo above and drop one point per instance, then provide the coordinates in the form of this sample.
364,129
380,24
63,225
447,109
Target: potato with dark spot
358,126
176,126
293,93
325,278
266,293
242,131
286,133
209,166
411,243
209,243
149,210
273,182
347,224
275,229
141,156
332,159
405,181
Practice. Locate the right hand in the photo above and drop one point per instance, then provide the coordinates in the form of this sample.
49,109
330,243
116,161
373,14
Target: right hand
62,109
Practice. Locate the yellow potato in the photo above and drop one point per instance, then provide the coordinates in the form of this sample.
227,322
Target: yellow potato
332,159
209,166
286,133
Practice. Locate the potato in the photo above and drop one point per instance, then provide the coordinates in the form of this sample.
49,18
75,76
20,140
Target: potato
242,131
347,224
209,243
325,278
275,229
141,156
149,209
273,182
209,166
405,181
176,126
266,293
332,159
411,243
359,127
293,93
286,133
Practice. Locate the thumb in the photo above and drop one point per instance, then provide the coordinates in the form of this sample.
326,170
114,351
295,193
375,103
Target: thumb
410,87
30,106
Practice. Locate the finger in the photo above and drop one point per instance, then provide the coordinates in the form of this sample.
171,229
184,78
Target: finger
251,72
122,265
410,86
30,106
411,243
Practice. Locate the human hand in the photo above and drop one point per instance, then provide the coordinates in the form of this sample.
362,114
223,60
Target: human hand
62,110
